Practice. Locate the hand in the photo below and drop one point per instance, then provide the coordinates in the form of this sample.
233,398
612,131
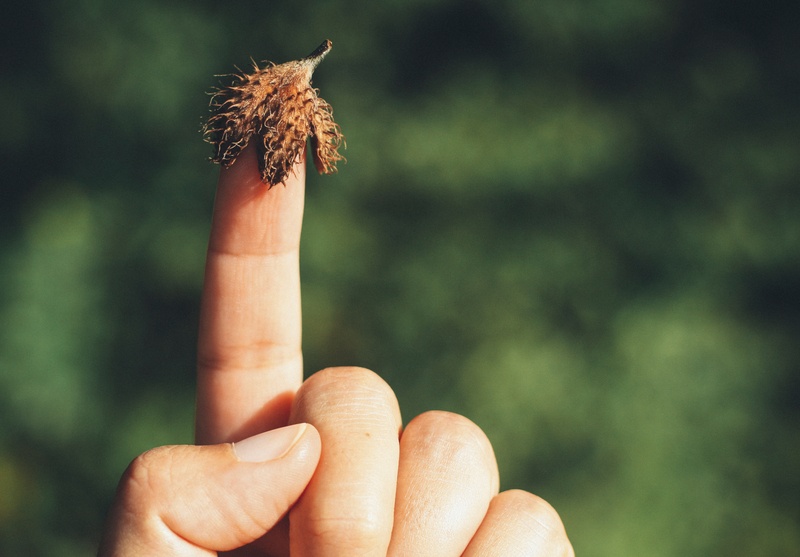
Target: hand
366,488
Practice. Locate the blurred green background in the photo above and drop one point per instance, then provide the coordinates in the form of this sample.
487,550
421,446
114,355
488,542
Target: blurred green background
575,222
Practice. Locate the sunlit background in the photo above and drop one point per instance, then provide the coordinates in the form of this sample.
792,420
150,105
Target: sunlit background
575,222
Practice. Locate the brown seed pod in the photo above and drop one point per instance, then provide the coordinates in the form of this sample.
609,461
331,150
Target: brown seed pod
277,107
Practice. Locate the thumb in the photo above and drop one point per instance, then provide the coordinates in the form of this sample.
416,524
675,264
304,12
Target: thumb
187,500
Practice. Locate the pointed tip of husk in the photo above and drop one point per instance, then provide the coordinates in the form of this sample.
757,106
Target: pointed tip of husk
313,59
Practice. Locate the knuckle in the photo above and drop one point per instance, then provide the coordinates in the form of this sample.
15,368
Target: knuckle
349,388
351,375
450,444
440,419
437,428
147,474
540,519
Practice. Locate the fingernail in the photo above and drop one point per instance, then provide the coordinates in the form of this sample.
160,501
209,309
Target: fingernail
269,445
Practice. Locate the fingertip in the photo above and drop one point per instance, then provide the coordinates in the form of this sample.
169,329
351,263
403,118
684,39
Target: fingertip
333,381
440,429
251,217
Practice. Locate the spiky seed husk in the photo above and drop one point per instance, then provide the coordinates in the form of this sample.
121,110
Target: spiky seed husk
277,108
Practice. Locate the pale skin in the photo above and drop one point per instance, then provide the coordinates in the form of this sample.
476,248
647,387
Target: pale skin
349,480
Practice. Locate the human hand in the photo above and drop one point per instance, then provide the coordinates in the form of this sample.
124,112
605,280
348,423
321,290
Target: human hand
366,489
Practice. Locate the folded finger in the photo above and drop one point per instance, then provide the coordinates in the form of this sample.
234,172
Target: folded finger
347,508
446,479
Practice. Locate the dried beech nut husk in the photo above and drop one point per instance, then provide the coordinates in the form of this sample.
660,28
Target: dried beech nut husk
277,108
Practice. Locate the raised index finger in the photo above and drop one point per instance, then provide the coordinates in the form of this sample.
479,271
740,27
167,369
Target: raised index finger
249,347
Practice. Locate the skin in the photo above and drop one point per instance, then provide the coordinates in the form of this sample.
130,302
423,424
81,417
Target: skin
353,482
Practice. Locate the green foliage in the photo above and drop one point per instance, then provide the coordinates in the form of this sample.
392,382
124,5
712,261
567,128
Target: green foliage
575,222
